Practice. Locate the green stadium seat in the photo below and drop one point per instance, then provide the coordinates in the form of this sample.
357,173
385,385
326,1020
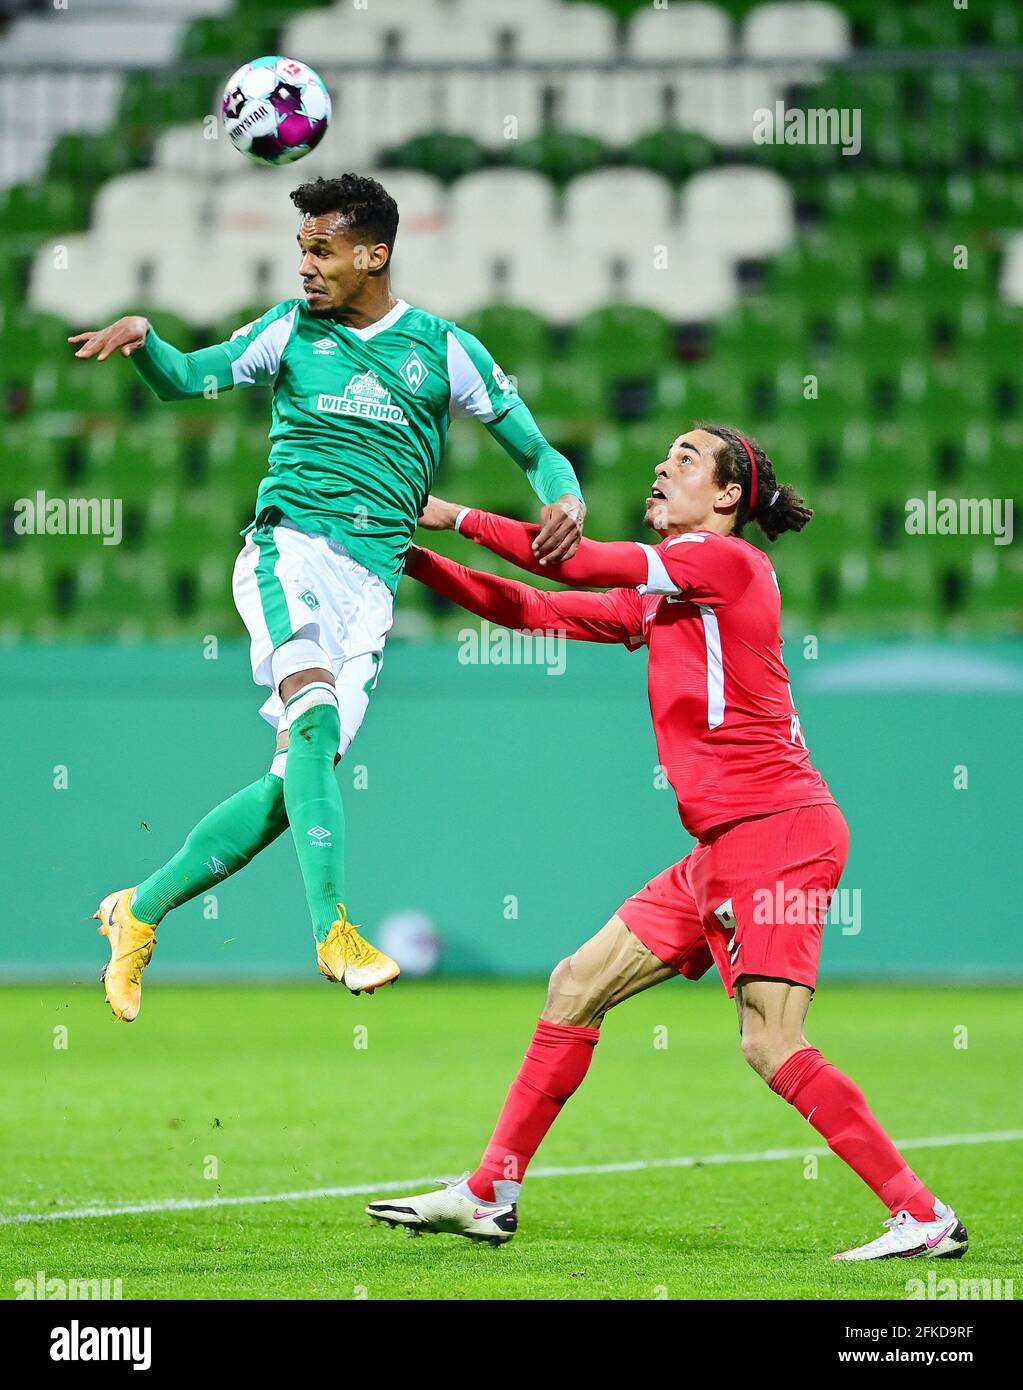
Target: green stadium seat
677,154
517,337
560,155
887,593
87,160
445,155
228,37
994,593
34,211
622,343
874,207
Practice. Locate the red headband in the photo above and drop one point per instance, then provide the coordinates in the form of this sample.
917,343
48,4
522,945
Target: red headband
752,476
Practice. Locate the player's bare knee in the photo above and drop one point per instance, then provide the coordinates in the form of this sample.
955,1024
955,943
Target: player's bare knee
765,1048
291,685
570,999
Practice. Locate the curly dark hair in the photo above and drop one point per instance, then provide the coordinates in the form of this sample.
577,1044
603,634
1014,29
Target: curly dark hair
779,507
366,205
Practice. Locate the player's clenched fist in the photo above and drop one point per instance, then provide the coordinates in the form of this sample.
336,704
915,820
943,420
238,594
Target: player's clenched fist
561,530
128,334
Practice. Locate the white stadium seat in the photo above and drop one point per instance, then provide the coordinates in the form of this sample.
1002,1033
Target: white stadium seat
798,36
686,280
493,107
338,35
250,205
797,29
68,39
430,35
179,9
442,275
747,211
723,106
611,209
1011,282
569,33
497,209
148,202
67,101
635,103
422,202
409,30
59,95
97,281
204,280
185,149
680,32
558,284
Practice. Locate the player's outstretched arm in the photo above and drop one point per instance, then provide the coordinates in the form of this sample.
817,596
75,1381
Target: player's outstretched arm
596,564
506,602
480,388
551,477
173,375
251,357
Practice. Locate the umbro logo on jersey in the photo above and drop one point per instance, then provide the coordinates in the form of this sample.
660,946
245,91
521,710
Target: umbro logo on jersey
413,371
323,346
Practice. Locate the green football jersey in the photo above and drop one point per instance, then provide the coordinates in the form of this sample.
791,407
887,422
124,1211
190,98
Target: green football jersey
360,417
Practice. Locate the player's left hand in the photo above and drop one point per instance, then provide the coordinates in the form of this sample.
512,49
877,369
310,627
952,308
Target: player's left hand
561,530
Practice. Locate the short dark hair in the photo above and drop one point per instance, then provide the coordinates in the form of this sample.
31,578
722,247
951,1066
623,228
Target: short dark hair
366,205
779,507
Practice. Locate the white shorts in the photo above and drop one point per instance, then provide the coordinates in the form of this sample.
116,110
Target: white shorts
288,583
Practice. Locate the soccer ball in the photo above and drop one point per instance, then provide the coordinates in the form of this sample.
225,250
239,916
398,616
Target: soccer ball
275,110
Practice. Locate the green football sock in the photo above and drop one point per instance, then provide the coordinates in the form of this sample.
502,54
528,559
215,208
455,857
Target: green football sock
222,843
315,810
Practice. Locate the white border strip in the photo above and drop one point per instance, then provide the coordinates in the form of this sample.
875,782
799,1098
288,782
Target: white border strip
639,1165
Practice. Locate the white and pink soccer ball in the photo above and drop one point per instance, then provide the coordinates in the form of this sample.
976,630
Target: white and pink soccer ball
275,110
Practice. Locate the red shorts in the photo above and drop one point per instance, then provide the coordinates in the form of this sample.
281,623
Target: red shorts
751,899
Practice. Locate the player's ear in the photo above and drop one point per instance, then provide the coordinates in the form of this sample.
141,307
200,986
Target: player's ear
373,257
729,497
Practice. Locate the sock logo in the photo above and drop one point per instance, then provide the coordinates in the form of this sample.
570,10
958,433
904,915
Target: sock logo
216,866
320,836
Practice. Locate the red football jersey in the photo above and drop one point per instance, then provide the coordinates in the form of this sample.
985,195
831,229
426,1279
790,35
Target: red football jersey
728,735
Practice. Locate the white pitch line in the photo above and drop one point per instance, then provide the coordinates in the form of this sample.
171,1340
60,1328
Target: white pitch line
939,1141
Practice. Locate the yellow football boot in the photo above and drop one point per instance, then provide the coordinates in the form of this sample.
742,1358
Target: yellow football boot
131,945
348,959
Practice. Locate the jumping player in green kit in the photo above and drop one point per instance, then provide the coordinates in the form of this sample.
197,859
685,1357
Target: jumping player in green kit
363,388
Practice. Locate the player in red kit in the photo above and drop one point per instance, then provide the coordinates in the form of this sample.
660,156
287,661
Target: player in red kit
753,894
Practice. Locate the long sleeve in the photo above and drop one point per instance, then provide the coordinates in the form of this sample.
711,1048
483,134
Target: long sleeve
250,357
611,617
174,375
549,473
481,390
600,564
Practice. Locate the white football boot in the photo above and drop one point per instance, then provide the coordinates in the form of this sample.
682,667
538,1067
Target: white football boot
453,1211
944,1238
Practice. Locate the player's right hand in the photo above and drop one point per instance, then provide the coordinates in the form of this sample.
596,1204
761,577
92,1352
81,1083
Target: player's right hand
128,334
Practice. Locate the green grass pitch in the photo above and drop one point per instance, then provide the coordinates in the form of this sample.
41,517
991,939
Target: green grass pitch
223,1092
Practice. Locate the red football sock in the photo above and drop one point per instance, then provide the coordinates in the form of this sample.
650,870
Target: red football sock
553,1069
837,1109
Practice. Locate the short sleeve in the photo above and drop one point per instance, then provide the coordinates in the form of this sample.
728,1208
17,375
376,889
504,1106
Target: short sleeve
478,385
700,566
256,348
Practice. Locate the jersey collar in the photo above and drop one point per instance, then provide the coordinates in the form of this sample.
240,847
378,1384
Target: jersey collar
389,319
